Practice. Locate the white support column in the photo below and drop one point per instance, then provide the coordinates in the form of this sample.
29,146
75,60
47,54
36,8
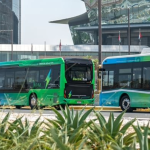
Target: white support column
8,58
37,55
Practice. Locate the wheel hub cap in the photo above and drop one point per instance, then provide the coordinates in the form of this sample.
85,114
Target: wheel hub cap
33,101
126,103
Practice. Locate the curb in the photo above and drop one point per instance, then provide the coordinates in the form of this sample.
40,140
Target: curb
101,108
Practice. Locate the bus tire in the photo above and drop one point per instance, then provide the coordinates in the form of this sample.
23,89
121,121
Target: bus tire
33,101
63,106
57,107
125,103
18,107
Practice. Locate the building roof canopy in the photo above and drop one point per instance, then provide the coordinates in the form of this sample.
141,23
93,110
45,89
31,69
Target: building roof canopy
77,20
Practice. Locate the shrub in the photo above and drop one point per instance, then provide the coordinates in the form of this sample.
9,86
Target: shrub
72,130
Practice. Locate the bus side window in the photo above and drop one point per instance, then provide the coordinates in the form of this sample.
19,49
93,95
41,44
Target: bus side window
43,75
20,75
3,83
53,80
125,78
111,78
136,78
105,78
55,77
33,78
146,78
2,79
9,79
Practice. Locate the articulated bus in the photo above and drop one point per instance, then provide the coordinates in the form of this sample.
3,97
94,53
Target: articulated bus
126,82
47,82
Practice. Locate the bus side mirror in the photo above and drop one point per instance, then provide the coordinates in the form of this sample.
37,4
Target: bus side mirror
101,69
100,72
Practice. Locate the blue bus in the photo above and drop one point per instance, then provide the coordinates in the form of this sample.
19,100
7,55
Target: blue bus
125,82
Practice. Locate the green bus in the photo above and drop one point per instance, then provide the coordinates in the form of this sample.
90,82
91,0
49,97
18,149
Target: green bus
126,82
47,82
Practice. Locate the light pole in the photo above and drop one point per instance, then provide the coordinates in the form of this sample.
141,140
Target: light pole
100,44
11,41
100,31
128,30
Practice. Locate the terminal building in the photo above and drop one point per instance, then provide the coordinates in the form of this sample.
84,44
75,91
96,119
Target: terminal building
10,21
84,31
115,14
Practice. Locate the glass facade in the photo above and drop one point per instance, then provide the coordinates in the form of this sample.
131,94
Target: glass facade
116,11
81,37
114,19
10,19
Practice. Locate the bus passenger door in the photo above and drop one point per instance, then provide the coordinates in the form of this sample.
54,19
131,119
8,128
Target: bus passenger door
145,94
107,96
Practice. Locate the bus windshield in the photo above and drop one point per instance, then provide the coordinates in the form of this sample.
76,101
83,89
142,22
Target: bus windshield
79,73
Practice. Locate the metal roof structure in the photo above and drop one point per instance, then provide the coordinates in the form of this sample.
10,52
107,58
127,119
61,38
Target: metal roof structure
83,18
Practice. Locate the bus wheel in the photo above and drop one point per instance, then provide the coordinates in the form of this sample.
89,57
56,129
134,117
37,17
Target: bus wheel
18,107
33,101
57,107
63,106
125,104
42,107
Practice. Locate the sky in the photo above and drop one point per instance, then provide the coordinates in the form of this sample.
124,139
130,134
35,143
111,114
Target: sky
36,15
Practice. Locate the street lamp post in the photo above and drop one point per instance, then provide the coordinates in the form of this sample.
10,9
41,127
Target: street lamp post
129,31
11,41
100,44
100,31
